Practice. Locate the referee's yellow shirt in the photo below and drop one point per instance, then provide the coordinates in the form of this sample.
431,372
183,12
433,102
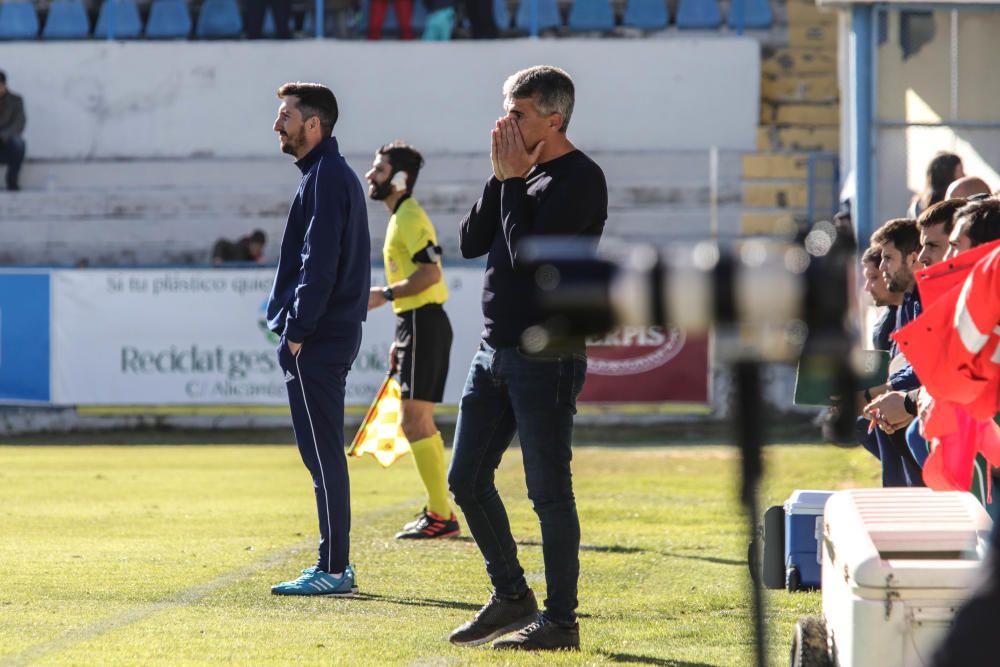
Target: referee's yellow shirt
410,237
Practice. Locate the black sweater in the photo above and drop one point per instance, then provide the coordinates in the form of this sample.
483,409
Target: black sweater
567,196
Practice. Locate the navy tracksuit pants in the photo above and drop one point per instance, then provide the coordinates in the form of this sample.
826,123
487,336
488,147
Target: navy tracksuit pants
315,380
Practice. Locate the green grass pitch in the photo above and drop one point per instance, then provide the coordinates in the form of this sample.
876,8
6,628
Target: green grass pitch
165,555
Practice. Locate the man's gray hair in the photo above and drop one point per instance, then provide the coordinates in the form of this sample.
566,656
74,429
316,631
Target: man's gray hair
551,87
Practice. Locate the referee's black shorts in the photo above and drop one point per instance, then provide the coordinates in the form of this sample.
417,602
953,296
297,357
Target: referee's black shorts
423,346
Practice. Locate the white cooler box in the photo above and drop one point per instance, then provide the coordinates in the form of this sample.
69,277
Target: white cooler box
897,564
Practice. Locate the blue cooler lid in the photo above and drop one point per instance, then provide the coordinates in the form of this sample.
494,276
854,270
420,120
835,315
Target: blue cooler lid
806,501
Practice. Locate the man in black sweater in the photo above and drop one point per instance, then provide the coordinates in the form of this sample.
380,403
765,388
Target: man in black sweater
541,186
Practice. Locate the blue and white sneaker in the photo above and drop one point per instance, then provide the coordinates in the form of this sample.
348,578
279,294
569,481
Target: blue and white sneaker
315,581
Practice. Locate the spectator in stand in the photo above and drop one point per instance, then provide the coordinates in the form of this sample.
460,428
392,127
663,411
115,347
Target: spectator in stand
246,249
253,16
942,171
481,19
12,121
377,10
966,187
440,20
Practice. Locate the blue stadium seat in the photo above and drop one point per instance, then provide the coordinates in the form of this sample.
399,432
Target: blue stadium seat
168,19
698,14
219,19
18,20
548,15
501,15
646,14
419,18
591,15
756,14
124,14
67,19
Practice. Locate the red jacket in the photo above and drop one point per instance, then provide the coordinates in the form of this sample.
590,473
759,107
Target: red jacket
954,347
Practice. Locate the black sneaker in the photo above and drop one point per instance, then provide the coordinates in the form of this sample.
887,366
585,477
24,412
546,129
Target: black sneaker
543,635
429,526
498,617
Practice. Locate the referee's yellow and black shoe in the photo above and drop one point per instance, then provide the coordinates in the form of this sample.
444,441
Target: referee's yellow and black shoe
429,526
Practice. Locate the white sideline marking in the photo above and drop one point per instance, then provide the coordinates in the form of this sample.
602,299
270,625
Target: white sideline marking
184,598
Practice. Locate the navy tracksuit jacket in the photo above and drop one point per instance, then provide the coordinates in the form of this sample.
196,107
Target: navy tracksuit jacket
320,299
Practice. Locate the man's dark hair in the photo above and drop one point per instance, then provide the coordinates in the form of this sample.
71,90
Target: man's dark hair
942,212
900,232
983,218
404,157
551,88
872,256
258,236
3,77
314,100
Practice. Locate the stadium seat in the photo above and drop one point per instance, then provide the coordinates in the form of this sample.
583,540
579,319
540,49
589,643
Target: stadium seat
219,19
698,14
646,14
756,14
67,19
125,17
501,15
18,20
548,15
591,16
168,19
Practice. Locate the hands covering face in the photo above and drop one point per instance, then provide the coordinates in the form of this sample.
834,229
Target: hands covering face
509,155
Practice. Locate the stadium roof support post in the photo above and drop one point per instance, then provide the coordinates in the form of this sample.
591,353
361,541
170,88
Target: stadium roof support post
862,112
534,18
320,18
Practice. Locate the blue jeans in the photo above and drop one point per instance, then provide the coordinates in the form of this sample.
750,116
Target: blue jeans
12,154
508,392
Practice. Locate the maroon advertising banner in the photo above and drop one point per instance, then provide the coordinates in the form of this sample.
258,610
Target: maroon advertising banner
647,365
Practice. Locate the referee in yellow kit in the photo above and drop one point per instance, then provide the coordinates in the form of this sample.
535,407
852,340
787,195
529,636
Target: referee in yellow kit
420,351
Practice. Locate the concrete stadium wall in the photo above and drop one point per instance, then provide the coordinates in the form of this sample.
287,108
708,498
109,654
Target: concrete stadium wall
918,88
99,100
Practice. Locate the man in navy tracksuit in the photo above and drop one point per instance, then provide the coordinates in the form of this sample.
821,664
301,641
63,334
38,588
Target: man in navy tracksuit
317,304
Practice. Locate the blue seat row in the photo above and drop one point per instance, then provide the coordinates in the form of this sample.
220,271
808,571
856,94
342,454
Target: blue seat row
168,19
171,19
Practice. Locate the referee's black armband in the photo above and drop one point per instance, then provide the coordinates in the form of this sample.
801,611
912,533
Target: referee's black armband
910,405
429,255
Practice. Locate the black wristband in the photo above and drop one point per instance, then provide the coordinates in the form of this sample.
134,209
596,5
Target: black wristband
387,293
910,405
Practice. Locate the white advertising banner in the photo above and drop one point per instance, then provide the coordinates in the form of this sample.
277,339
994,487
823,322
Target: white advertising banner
197,336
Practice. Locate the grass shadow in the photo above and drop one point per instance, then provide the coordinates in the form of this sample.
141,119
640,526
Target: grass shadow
708,559
418,602
598,548
648,660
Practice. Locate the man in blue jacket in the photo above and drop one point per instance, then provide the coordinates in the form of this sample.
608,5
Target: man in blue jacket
317,304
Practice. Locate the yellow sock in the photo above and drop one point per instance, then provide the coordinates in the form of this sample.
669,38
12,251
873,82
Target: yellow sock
429,457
